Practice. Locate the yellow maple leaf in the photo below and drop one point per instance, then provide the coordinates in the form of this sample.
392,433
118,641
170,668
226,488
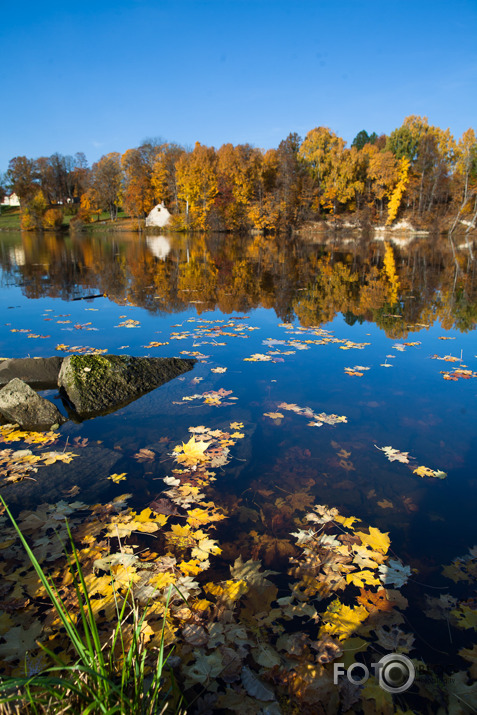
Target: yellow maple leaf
201,605
346,521
376,540
236,425
467,616
423,472
144,515
10,433
180,536
428,472
191,452
341,621
212,400
205,547
52,457
274,415
41,437
162,580
116,478
148,524
197,517
359,578
229,591
191,568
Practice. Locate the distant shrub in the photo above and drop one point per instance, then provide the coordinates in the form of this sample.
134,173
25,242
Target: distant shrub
52,219
27,222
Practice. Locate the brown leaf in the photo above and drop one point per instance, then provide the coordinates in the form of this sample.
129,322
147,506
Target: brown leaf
163,506
194,634
144,455
374,602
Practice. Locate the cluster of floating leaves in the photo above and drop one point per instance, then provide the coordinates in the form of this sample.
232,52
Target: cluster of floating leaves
317,419
394,455
211,397
19,464
244,641
241,639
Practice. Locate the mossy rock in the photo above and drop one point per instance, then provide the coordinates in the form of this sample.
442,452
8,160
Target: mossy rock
95,384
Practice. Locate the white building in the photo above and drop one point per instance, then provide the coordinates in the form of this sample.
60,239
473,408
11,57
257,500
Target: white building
159,216
11,200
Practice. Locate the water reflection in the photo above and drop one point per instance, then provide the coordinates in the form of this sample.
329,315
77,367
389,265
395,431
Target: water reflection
399,287
159,246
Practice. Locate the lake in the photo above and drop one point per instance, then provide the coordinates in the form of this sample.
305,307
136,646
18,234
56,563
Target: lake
327,373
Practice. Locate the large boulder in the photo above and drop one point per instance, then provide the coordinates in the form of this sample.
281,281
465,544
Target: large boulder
97,384
40,373
20,404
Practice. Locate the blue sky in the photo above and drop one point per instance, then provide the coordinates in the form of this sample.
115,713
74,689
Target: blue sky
100,76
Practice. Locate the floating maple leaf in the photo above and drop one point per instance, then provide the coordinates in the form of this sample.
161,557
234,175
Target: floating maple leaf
427,472
394,455
144,455
341,621
374,602
164,506
116,478
394,639
191,453
275,416
323,514
52,457
394,573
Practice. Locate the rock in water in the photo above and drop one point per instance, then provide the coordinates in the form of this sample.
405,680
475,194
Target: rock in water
95,384
20,404
39,373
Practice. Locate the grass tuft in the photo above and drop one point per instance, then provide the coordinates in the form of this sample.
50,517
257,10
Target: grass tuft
99,682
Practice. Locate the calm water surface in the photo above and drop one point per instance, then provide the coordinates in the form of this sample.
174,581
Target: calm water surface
231,298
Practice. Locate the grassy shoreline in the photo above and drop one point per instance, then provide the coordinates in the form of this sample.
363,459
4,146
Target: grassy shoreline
10,221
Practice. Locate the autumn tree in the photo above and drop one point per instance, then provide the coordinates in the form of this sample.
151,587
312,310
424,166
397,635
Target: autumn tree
32,214
398,191
381,175
465,178
337,170
264,209
197,184
22,176
430,151
466,166
294,184
344,182
80,176
317,150
105,185
3,190
235,183
163,175
138,193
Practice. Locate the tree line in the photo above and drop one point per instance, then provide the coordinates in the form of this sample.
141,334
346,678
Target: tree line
418,170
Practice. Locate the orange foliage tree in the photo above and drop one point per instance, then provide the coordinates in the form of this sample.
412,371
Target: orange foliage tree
196,174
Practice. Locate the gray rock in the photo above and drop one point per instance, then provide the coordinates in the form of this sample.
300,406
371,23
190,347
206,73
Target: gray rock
20,404
39,373
97,384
